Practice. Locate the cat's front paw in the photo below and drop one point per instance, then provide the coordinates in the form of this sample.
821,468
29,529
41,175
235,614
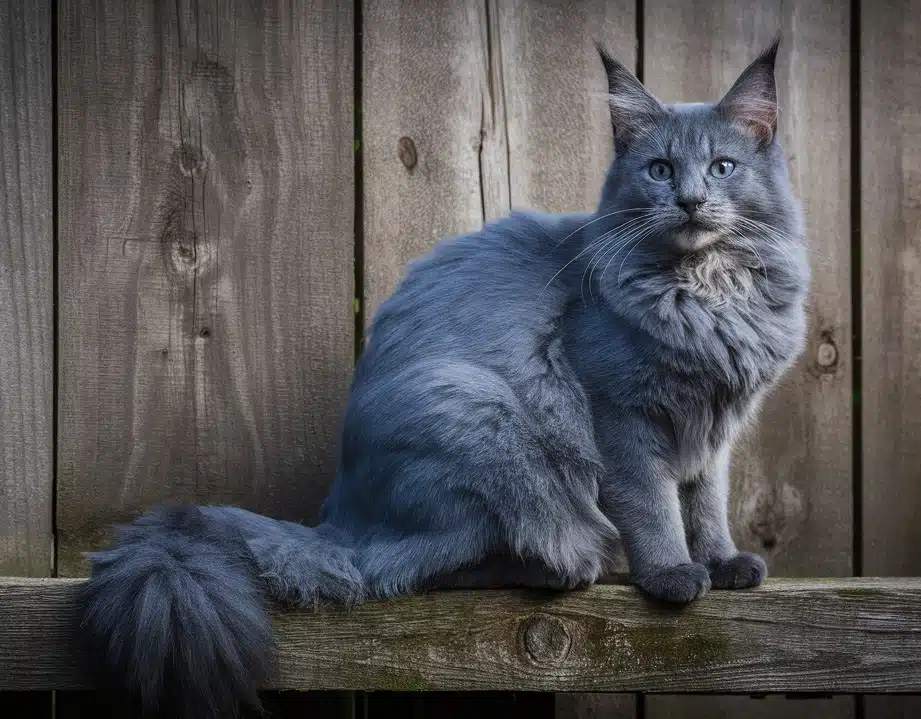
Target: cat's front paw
681,584
739,572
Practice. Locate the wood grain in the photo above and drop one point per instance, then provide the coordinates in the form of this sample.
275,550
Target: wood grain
432,128
792,478
807,635
890,255
206,215
559,126
559,138
890,185
26,282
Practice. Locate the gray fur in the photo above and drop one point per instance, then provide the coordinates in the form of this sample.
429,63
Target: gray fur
528,391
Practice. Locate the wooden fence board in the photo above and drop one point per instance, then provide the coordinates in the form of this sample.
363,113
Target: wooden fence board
577,705
890,232
559,137
835,635
430,132
559,126
792,498
206,255
891,282
26,282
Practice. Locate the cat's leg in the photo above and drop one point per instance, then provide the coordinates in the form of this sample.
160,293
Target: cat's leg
448,466
705,501
640,495
396,565
646,510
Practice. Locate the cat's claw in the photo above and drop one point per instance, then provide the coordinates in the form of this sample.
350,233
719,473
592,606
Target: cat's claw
739,572
681,584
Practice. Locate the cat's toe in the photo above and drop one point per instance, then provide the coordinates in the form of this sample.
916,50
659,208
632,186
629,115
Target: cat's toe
681,584
739,572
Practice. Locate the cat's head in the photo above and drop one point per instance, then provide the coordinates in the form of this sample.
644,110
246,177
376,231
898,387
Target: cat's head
692,174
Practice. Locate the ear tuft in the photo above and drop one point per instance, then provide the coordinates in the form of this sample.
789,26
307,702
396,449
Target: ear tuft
632,106
751,103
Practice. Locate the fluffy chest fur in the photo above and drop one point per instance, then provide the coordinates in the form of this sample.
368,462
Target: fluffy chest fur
693,348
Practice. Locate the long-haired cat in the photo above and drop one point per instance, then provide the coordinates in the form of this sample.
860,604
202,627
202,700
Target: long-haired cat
529,391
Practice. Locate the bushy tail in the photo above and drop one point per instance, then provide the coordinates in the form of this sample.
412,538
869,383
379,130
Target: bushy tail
176,612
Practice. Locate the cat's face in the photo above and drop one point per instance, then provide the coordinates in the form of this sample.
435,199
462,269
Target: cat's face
696,173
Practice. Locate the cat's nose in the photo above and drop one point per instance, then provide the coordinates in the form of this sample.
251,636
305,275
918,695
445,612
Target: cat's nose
691,205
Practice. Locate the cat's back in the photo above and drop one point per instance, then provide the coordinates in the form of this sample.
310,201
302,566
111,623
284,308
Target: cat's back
488,292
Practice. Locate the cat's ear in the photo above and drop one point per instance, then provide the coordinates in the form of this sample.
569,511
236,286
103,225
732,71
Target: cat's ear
751,103
632,107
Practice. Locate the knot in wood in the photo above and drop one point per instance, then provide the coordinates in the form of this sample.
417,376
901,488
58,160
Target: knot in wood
406,151
191,160
827,355
545,639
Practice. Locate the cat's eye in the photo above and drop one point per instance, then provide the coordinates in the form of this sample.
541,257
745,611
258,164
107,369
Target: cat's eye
660,170
721,169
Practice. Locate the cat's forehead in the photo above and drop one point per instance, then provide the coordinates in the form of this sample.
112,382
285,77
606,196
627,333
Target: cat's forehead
694,129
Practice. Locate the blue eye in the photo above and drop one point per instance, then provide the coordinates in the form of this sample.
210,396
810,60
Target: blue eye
722,169
660,170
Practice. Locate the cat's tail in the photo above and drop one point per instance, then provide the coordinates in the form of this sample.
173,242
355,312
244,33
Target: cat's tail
176,612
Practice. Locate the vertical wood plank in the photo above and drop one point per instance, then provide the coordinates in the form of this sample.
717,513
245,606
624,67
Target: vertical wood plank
560,142
430,129
595,706
890,232
792,480
26,311
206,256
26,305
890,88
686,706
559,126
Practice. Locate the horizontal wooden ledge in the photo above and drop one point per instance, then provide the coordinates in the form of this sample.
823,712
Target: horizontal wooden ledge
790,636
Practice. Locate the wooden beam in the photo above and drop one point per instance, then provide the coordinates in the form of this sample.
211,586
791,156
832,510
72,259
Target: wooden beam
792,635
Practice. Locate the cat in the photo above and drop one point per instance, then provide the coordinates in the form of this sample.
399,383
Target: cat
530,392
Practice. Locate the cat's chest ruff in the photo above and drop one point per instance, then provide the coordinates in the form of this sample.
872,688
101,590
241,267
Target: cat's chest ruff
715,280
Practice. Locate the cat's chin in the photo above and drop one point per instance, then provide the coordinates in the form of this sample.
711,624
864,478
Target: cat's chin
695,236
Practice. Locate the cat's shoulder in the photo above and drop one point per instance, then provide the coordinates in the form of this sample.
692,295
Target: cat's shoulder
537,228
512,238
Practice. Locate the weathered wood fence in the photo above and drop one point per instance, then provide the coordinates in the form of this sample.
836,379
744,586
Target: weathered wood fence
203,203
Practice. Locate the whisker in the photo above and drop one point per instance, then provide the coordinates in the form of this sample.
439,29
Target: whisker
625,241
763,234
593,221
750,246
623,262
557,274
613,237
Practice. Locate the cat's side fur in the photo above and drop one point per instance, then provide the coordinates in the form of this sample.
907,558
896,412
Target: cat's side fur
527,388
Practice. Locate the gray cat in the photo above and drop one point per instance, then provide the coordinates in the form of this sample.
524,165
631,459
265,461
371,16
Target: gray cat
527,388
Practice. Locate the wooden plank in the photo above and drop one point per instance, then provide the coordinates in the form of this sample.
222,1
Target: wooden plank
559,125
791,635
26,302
890,255
26,306
559,138
792,498
433,132
674,706
577,705
206,214
890,186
